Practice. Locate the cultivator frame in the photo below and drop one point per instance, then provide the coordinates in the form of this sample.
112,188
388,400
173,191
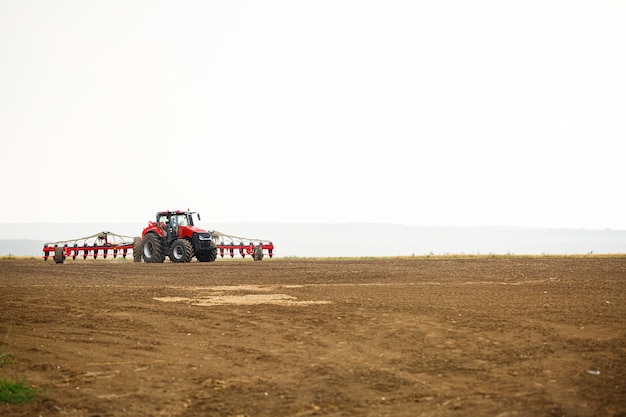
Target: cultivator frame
93,245
229,245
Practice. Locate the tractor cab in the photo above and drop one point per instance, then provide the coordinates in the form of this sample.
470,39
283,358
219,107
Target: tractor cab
170,221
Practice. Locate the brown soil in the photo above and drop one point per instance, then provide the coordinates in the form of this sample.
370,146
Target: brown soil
509,336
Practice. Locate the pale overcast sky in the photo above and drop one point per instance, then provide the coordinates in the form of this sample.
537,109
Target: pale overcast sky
430,113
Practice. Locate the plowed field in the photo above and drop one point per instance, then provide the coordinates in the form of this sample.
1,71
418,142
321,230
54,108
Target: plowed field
492,336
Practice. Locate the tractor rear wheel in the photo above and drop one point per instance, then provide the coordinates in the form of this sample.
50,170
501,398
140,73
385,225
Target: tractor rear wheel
181,251
152,249
207,256
137,249
59,257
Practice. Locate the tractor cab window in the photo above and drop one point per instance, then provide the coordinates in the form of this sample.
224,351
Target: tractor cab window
180,220
162,221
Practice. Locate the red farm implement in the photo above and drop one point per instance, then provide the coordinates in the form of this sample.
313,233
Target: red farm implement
103,243
229,245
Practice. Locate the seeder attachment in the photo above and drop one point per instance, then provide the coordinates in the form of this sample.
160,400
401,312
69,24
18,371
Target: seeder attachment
229,245
93,245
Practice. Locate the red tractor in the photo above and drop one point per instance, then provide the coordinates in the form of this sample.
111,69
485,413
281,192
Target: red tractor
173,234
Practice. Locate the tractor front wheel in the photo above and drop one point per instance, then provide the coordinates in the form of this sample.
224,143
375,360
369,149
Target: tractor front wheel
152,249
181,251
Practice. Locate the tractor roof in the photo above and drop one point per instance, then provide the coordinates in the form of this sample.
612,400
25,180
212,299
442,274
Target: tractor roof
176,212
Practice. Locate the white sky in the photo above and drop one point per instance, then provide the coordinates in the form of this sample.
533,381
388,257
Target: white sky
415,112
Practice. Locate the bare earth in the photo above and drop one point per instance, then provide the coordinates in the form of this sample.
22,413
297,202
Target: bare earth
507,336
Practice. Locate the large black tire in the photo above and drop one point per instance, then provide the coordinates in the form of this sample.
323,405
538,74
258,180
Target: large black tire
137,249
152,249
181,251
257,255
207,256
59,257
